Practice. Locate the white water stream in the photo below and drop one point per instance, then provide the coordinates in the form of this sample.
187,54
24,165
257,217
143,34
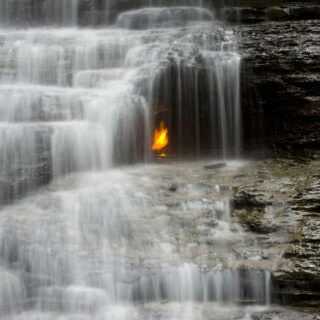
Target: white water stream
102,242
121,245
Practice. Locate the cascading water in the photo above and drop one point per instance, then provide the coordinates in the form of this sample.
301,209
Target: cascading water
73,12
74,103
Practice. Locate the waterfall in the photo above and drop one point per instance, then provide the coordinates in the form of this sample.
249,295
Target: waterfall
92,242
202,103
71,12
82,99
77,103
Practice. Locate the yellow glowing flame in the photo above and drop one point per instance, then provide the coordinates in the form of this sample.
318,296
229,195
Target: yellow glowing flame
160,139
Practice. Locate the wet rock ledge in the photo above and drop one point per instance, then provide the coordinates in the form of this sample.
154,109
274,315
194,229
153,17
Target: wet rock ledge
278,200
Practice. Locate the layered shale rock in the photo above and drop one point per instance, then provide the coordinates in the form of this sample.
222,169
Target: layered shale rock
271,13
283,209
281,80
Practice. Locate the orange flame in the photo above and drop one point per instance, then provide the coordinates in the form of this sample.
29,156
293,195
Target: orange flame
160,139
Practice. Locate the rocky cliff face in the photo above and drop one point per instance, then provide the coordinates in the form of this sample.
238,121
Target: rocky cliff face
280,75
280,45
250,11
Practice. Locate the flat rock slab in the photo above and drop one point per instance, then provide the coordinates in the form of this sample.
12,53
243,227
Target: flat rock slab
216,166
